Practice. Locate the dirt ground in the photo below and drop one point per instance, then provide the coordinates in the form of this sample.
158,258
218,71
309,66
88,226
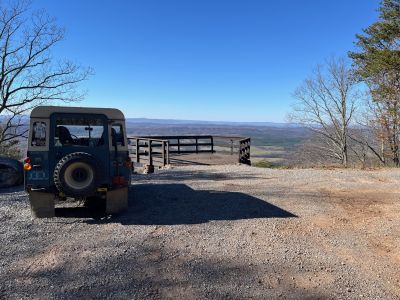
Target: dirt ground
205,159
213,232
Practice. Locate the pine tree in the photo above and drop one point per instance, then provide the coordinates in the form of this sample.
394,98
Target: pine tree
377,64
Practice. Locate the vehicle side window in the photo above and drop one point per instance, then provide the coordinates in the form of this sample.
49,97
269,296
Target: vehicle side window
38,134
117,135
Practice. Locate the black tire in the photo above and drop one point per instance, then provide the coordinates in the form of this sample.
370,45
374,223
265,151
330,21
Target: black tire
76,175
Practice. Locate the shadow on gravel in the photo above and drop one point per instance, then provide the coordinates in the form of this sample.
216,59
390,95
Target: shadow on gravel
177,204
80,212
95,209
183,162
181,175
145,272
174,204
14,189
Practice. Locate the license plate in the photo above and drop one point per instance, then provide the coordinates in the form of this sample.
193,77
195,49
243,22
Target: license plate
37,175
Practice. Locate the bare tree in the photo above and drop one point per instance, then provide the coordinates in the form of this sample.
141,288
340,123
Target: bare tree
29,75
368,133
326,104
386,120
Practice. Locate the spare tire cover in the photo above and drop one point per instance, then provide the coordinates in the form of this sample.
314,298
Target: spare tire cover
76,174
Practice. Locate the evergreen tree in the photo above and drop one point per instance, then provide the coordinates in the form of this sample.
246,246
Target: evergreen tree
377,64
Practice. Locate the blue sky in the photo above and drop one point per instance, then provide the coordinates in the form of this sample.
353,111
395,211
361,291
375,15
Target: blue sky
205,59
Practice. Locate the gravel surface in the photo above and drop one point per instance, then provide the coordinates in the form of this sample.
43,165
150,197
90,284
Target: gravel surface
216,232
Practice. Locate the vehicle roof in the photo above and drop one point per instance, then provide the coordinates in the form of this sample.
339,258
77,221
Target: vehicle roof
46,111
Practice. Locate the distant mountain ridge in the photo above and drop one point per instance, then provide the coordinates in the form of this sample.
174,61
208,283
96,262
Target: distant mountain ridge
199,122
150,121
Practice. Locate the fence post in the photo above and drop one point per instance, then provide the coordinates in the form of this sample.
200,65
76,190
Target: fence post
149,168
197,145
240,152
167,152
163,153
249,143
150,154
137,151
212,144
179,146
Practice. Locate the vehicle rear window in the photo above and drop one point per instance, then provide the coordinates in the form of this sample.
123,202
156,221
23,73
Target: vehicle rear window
79,132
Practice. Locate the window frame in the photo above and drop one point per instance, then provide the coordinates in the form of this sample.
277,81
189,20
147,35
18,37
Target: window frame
123,147
57,115
44,147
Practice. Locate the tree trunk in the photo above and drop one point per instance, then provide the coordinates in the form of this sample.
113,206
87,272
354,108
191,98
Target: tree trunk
345,155
396,155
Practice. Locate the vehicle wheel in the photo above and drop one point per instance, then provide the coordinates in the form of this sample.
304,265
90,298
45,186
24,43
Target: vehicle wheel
76,174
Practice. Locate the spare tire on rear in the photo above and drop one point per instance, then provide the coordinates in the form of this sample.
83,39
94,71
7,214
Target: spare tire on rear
76,175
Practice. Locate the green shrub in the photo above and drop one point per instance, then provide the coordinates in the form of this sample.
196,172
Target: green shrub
264,164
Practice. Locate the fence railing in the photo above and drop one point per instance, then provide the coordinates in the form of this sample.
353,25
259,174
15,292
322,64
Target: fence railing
149,151
156,150
187,143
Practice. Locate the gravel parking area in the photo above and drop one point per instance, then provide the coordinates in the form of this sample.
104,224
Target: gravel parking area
213,232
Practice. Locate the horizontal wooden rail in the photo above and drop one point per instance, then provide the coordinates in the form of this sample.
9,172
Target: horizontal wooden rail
176,137
181,143
151,156
156,150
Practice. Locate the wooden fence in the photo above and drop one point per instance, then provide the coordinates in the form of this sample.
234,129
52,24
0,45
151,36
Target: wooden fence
156,150
244,151
187,143
149,151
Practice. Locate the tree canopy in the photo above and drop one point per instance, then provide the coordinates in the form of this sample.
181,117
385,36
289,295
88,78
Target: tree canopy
378,60
29,74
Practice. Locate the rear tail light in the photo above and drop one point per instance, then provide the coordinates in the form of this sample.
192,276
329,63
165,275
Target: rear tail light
128,162
119,181
27,164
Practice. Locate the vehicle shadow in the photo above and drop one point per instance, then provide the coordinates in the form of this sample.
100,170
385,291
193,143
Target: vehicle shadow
80,212
12,189
178,204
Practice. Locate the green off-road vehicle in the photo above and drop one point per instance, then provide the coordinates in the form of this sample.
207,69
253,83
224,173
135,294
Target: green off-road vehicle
80,153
